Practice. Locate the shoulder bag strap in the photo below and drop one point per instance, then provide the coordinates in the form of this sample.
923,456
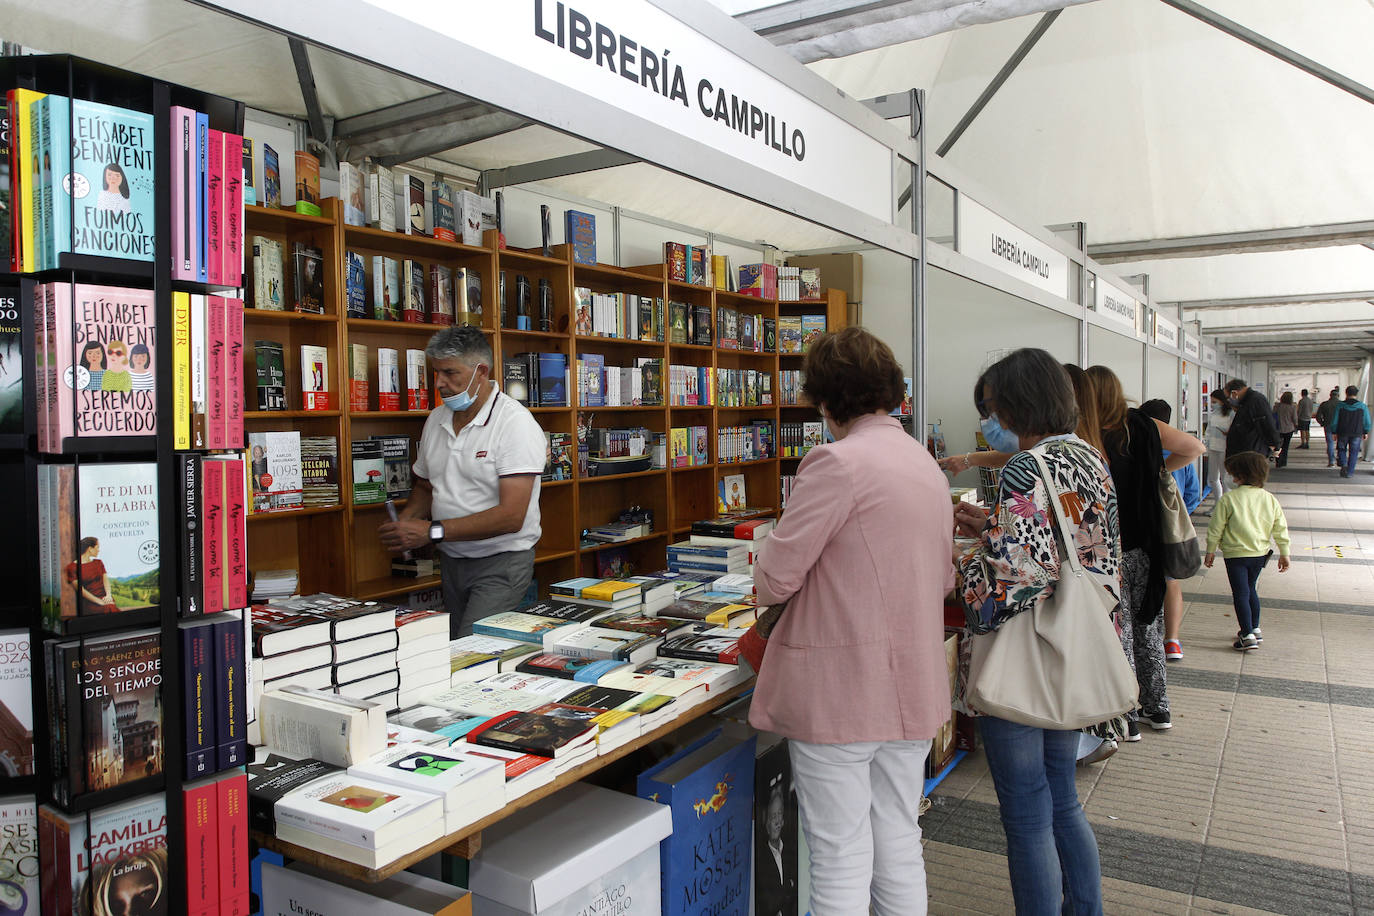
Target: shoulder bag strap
1052,491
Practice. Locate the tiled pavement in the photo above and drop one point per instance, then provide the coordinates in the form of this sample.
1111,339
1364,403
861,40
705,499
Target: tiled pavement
1260,799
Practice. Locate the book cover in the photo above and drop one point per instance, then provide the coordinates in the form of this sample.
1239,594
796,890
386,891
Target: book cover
635,622
271,177
199,803
812,327
441,301
120,683
231,797
212,558
236,534
415,205
319,471
19,857
108,194
250,187
417,381
230,722
277,630
386,289
789,334
468,289
118,854
275,470
560,456
307,183
528,628
267,274
412,291
355,285
351,194
388,379
185,196
203,182
580,233
233,373
445,224
675,258
216,342
594,642
270,777
710,787
396,453
533,733
214,208
11,359
197,643
567,667
369,472
386,200
552,385
16,704
104,344
307,264
359,393
270,363
471,787
704,643
314,378
516,379
233,210
476,214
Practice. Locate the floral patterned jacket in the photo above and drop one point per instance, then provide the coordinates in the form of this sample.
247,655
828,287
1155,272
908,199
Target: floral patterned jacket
1017,562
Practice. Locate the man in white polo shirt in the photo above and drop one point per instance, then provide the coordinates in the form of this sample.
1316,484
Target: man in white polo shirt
476,486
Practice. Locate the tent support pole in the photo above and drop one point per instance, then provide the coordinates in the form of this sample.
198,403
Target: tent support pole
918,269
306,76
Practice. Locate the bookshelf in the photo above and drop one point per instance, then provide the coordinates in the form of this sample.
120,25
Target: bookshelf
337,550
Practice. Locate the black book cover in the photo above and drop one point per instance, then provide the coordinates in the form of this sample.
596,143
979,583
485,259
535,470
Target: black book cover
775,833
523,295
118,701
192,535
11,345
230,694
532,373
701,325
545,230
516,380
271,778
598,697
502,301
770,335
545,305
309,271
564,610
559,666
198,696
531,732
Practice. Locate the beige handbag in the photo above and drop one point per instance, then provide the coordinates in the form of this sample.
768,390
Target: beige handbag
1060,664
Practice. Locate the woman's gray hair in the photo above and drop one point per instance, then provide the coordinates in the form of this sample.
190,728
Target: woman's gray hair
464,343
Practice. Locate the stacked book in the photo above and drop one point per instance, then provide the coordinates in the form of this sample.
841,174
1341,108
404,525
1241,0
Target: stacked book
422,654
274,583
687,556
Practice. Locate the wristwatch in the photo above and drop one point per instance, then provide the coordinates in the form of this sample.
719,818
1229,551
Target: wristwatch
436,532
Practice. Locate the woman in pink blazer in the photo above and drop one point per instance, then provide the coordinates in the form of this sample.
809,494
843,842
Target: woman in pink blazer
854,673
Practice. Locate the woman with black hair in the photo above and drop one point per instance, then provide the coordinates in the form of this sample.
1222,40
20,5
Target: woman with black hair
114,189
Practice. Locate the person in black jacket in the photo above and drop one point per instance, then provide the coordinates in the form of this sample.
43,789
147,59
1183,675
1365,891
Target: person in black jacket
1253,429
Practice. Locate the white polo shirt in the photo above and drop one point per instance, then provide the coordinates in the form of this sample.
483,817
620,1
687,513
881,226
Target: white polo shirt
465,468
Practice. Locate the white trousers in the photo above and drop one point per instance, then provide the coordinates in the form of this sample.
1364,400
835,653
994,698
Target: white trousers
859,804
1217,478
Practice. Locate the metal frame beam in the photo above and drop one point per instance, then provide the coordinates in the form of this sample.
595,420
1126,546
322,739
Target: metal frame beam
382,123
558,167
1196,246
890,107
1203,305
1274,49
305,75
1041,27
797,13
447,137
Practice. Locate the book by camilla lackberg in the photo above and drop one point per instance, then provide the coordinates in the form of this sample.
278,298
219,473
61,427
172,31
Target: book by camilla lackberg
117,860
103,551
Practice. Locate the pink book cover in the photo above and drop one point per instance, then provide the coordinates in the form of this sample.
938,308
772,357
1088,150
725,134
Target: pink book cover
233,209
232,790
233,372
40,363
236,557
214,226
103,346
212,511
201,802
185,195
215,334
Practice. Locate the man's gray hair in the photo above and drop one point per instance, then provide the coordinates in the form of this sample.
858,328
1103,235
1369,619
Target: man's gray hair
463,343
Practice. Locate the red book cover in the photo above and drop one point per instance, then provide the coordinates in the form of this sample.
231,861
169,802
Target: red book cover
233,844
233,373
233,210
214,224
236,558
212,476
215,416
675,256
202,853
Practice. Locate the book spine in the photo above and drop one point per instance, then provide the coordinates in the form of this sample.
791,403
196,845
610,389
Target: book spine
61,361
202,855
181,371
215,416
235,514
233,210
229,690
189,476
198,697
58,203
212,504
62,859
203,196
232,835
198,366
233,373
215,201
73,721
183,160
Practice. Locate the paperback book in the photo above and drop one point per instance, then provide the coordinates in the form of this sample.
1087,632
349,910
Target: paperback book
117,860
275,470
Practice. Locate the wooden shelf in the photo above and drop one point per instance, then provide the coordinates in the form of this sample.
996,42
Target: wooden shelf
273,315
744,298
289,414
546,484
693,467
753,408
533,335
620,408
455,842
388,414
406,245
548,409
389,586
293,513
702,348
610,273
546,556
621,341
597,548
530,257
403,327
653,472
273,219
725,466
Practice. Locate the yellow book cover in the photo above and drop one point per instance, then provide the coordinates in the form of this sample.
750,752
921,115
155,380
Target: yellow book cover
22,132
608,590
718,271
681,451
733,615
181,371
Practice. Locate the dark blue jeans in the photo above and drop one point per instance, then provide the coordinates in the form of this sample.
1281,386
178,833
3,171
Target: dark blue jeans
1348,452
1051,849
1243,574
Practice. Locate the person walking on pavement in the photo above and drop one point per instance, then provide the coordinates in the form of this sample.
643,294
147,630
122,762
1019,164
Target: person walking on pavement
1252,427
1286,413
1325,413
1351,426
1305,408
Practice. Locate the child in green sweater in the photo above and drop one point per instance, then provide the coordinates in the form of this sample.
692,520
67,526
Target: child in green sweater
1242,524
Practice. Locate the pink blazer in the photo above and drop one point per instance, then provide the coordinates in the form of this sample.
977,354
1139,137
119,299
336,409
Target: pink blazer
864,551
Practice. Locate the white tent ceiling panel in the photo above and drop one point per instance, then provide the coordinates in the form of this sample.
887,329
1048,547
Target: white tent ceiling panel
1235,276
528,144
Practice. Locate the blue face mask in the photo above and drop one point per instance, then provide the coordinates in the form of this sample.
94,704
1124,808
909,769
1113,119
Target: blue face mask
462,400
998,438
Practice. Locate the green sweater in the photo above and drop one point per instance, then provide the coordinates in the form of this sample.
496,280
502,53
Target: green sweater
1243,522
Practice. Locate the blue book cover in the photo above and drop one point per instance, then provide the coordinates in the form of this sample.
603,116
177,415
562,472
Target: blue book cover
592,378
553,373
579,231
105,200
705,864
356,285
687,548
203,183
590,674
573,587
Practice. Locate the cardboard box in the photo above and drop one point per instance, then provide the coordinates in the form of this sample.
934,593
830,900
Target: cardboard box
301,888
583,850
838,271
942,747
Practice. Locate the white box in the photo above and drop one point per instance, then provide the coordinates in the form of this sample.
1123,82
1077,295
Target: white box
300,888
538,860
